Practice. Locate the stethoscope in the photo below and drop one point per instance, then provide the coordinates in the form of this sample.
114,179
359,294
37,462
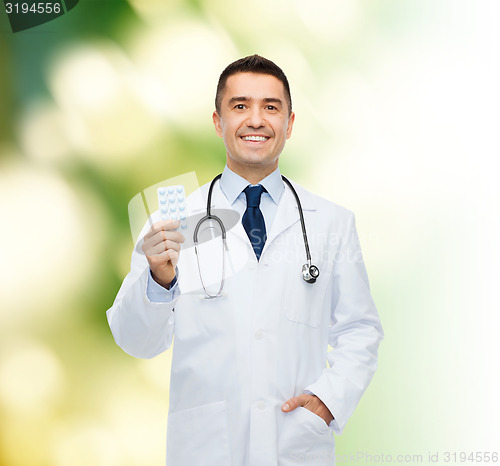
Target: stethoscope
310,272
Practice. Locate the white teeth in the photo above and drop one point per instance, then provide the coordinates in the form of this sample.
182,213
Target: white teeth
255,138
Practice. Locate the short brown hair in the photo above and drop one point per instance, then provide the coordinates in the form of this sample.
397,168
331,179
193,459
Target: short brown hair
252,64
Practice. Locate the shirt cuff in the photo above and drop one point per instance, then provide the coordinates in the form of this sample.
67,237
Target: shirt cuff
158,294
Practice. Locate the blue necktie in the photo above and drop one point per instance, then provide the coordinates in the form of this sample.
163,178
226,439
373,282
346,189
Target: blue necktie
253,220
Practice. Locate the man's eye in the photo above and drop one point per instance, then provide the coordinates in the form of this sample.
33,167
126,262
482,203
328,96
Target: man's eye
271,107
239,107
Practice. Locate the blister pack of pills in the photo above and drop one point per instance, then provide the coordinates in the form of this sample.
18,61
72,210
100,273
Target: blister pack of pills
172,205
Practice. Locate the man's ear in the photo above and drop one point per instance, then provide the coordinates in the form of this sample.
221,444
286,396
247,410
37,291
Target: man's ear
291,119
217,123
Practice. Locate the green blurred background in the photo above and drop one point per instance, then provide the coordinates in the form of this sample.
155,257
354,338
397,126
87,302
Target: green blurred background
397,119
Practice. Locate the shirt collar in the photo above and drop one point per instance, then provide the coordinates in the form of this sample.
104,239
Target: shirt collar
232,185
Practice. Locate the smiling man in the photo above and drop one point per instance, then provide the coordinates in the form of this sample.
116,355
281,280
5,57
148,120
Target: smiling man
254,117
252,381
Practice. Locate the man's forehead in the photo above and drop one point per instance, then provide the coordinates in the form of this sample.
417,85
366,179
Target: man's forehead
253,85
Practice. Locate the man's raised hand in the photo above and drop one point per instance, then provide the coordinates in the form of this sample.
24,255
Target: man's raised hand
162,246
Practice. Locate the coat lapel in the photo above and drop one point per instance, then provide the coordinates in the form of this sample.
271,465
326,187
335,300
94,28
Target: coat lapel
288,212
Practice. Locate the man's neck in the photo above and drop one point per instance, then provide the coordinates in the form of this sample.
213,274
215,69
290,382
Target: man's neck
253,174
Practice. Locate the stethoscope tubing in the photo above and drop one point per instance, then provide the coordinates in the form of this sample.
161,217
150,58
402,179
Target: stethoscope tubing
301,215
306,269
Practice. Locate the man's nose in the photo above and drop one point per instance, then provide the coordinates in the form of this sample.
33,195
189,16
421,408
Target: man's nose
255,118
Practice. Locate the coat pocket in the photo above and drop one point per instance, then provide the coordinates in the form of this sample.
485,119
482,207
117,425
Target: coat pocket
305,302
305,439
199,436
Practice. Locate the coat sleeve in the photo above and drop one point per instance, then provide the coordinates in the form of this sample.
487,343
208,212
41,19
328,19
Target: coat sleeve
355,333
140,327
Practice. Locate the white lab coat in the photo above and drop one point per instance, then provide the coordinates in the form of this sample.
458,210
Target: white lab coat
238,358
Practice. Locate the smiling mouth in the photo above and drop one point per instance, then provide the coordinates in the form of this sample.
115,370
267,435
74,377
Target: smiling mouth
255,138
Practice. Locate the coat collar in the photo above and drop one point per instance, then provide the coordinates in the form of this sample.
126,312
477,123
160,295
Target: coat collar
232,185
288,211
286,216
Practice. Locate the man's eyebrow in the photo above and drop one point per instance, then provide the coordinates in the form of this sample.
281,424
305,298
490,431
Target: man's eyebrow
242,98
274,100
247,99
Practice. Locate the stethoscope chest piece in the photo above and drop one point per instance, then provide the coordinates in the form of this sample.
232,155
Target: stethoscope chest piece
310,273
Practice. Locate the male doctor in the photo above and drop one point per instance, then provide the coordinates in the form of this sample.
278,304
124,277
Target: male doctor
252,381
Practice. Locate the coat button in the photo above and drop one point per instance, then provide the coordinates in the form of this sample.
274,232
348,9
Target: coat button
259,334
